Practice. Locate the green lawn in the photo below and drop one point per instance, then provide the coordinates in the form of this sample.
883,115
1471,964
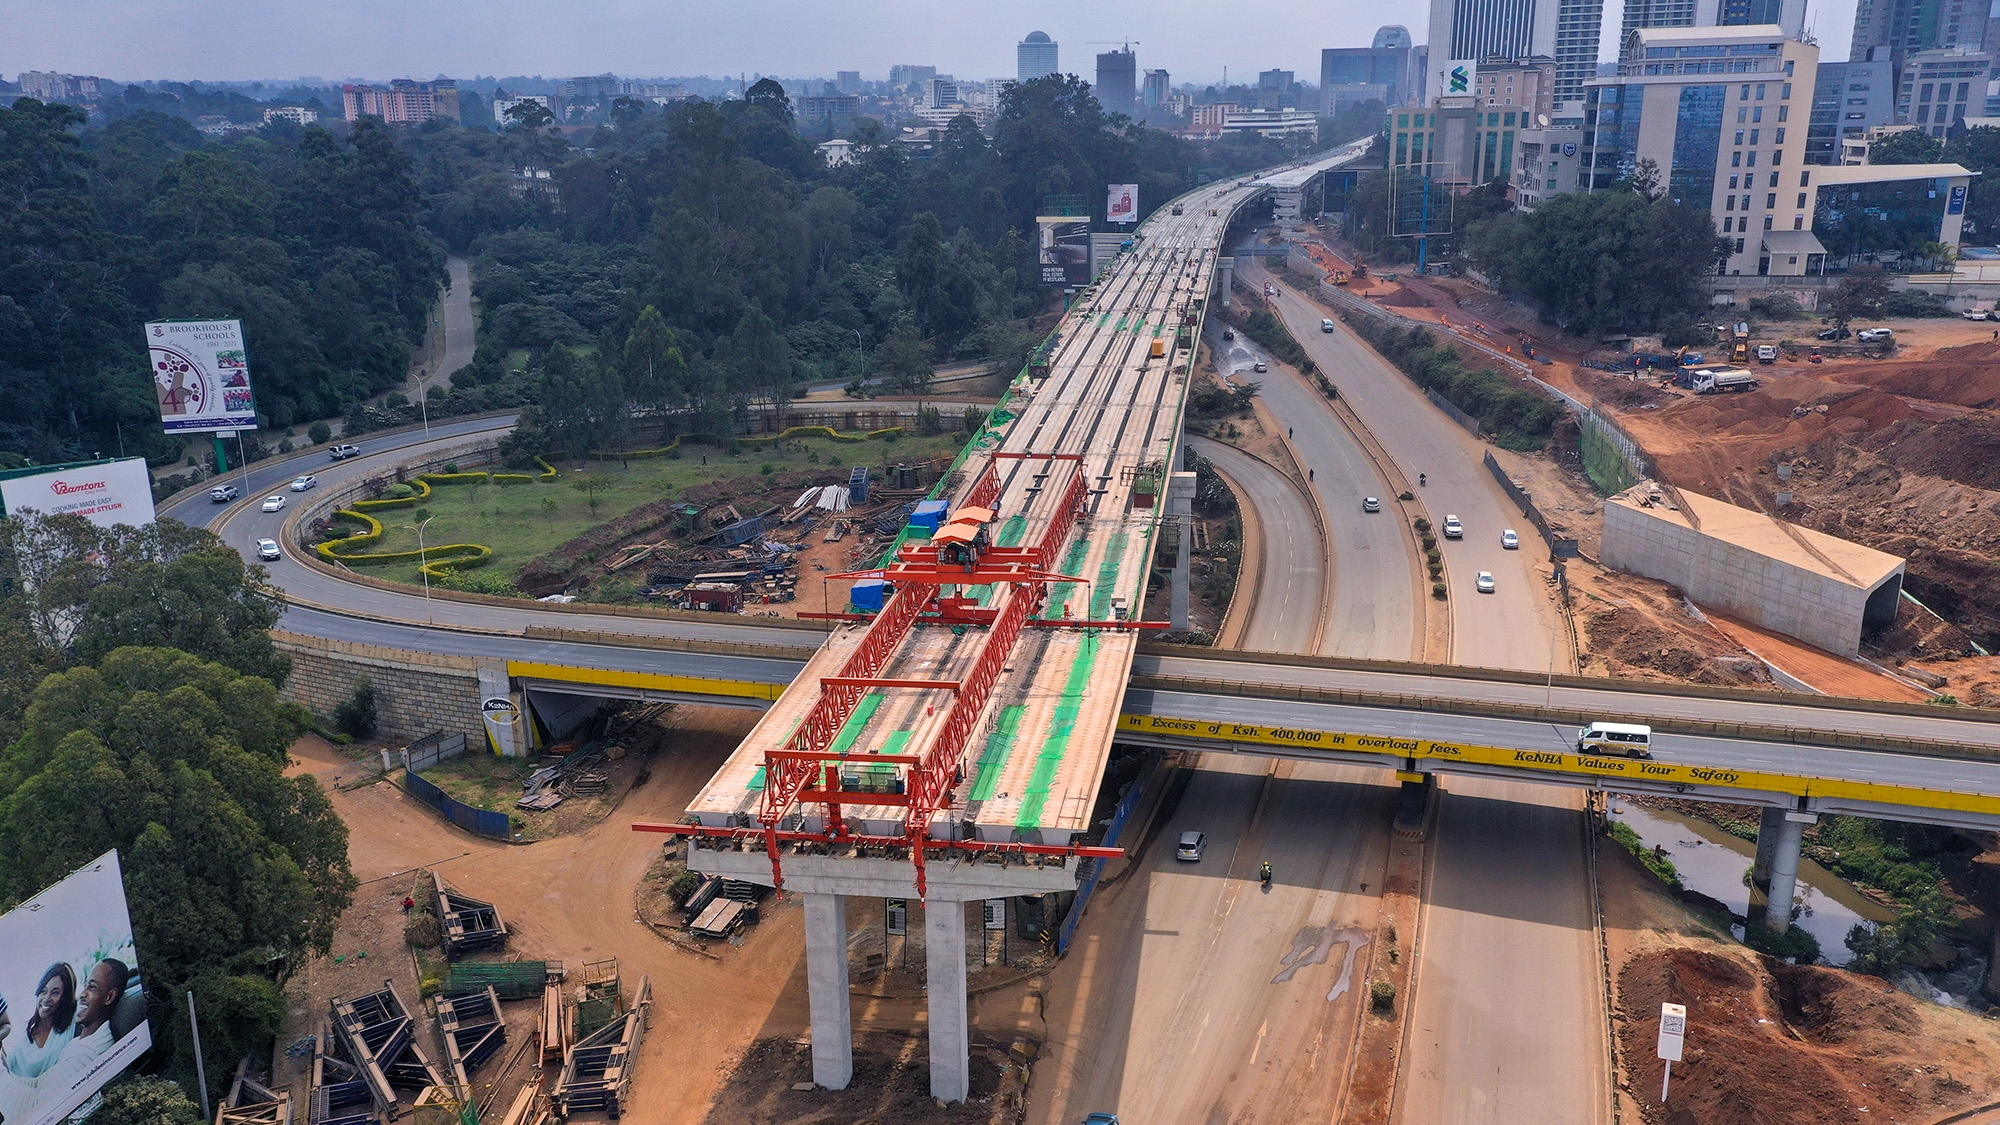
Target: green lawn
521,521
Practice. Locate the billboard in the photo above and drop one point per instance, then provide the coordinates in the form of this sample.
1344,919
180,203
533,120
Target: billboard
1121,203
75,1012
103,492
201,375
1063,250
1458,76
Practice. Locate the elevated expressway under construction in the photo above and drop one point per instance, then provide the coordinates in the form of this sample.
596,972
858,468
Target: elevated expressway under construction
960,750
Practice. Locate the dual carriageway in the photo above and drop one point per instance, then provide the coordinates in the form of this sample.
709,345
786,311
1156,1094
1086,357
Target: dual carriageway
1295,708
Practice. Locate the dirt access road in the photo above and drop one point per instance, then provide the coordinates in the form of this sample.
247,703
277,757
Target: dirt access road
571,899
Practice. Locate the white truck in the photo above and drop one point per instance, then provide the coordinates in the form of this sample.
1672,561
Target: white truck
1767,353
1721,380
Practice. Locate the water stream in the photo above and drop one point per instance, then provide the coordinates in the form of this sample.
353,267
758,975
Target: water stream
1713,862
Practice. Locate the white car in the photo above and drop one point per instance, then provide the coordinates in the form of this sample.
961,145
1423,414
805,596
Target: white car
1975,314
1260,365
1371,504
1509,540
1453,529
1485,582
274,503
1870,335
300,484
267,549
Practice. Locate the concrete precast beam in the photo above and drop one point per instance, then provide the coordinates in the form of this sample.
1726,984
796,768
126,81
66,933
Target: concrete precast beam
827,991
947,879
944,968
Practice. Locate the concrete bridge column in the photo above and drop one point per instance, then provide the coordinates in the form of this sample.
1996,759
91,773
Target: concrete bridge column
1228,268
826,990
1180,510
951,1042
1767,843
1784,867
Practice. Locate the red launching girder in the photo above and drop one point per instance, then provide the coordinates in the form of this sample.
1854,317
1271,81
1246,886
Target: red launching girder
784,778
932,782
790,772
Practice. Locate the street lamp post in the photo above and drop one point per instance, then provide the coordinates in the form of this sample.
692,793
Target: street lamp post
423,563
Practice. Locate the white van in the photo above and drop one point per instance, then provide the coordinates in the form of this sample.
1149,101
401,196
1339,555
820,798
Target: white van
1623,739
1325,325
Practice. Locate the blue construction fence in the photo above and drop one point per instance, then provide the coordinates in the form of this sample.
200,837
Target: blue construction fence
1092,869
481,822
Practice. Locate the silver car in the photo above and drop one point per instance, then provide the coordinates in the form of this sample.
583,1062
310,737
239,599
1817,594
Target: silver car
1192,845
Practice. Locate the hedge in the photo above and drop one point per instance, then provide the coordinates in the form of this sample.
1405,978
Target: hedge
548,471
439,561
420,491
769,439
513,478
454,478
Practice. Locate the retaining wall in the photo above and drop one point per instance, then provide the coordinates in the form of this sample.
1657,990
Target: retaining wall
415,693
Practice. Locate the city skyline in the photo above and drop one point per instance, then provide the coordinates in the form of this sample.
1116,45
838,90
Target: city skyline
177,40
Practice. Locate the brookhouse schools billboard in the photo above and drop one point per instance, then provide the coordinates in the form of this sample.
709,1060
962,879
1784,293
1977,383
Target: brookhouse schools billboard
104,492
75,1014
201,375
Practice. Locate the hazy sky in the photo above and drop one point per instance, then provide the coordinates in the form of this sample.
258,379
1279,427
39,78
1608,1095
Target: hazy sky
250,39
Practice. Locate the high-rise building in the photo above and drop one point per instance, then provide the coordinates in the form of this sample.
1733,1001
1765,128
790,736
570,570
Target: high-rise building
1788,14
1937,88
904,74
1565,30
940,92
1035,57
1849,98
1528,84
404,102
1157,87
1118,81
1887,30
847,81
1275,79
1722,113
1388,70
1392,37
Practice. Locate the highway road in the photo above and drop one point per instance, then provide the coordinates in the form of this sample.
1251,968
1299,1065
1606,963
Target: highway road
459,338
1289,598
1193,996
1558,1067
1510,628
1373,612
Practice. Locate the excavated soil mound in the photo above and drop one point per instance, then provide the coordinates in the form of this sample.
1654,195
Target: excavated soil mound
1627,636
1401,297
1773,1044
891,1086
1966,450
1963,376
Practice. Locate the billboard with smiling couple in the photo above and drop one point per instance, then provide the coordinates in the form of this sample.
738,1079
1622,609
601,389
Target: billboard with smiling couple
72,1012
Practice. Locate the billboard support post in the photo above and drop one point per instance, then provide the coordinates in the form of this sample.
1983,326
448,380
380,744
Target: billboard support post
200,1070
221,456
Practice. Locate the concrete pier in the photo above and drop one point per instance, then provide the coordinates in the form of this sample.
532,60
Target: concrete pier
944,965
1786,834
826,988
1767,843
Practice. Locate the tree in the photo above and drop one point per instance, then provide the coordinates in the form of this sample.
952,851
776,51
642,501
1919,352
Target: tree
1604,261
319,433
147,1101
234,871
906,359
1912,146
82,591
1860,294
655,369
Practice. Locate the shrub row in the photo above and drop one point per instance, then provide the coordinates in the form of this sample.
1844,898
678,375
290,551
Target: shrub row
1515,417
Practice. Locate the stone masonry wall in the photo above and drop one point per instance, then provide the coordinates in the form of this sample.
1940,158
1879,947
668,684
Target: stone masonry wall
415,693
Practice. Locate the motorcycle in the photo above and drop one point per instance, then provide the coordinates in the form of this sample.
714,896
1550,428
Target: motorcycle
1265,875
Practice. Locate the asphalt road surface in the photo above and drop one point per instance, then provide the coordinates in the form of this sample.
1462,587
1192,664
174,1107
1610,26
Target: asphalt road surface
1290,596
1194,996
1506,909
1373,612
1509,628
